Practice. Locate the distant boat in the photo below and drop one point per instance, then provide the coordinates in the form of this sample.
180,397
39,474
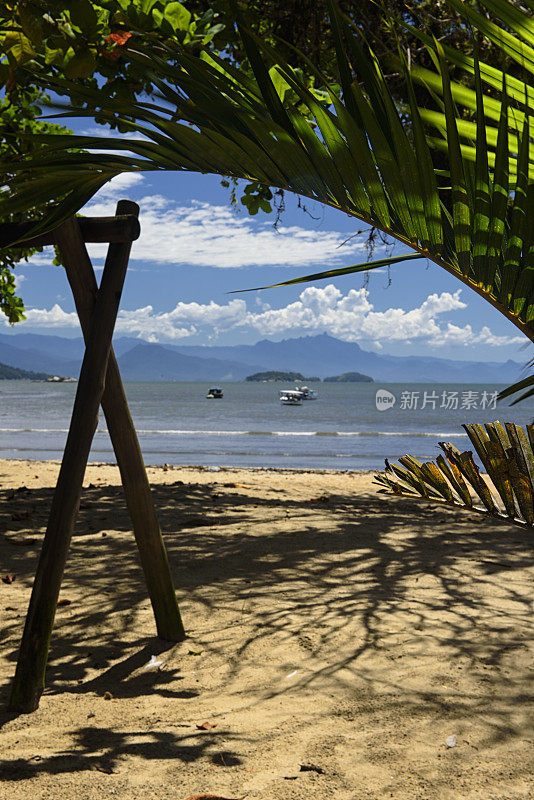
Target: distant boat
291,397
215,393
307,393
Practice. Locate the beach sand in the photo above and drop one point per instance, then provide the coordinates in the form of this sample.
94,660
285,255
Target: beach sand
330,627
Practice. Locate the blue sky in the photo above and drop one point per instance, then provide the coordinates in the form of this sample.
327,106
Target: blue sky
195,249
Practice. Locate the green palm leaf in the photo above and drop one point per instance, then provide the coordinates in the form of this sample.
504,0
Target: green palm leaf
356,155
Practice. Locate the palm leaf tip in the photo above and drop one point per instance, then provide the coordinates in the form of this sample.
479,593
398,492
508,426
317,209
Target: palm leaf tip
365,266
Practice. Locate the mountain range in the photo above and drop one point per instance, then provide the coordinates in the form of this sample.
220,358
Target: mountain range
320,355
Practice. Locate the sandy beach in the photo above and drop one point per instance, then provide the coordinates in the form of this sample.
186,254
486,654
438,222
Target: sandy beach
337,639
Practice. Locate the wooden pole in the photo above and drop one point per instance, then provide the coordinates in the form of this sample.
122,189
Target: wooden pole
122,432
28,683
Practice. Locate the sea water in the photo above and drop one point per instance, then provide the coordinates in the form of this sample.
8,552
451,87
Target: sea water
344,429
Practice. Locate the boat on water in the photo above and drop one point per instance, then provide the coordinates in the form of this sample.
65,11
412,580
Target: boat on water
291,397
215,393
307,393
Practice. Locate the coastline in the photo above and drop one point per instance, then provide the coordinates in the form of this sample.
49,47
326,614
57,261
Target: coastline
328,625
35,472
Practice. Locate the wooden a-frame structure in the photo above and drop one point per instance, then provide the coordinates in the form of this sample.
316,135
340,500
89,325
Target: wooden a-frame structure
99,384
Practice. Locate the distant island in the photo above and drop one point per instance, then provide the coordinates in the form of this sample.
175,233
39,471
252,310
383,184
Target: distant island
308,355
8,373
349,377
273,375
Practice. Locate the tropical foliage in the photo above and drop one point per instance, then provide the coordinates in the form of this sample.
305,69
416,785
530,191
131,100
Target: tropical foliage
507,454
353,151
19,123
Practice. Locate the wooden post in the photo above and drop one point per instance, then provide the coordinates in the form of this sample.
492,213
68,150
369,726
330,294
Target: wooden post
121,429
28,684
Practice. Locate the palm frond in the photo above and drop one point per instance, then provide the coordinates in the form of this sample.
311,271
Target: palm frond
513,39
356,155
507,456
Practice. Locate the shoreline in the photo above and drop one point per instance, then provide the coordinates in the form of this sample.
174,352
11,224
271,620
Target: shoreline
202,468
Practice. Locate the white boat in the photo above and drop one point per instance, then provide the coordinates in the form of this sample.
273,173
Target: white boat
215,393
290,397
307,393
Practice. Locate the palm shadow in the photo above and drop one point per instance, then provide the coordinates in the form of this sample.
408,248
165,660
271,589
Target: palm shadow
310,580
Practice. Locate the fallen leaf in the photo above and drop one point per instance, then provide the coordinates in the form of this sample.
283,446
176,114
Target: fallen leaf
108,696
212,797
9,578
311,768
63,601
21,542
206,726
195,652
197,522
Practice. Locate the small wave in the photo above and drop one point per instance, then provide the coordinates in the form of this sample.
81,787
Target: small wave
294,433
34,430
172,432
409,434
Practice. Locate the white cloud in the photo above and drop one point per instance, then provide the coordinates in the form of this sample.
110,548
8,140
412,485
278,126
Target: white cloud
118,185
350,317
202,234
186,319
55,318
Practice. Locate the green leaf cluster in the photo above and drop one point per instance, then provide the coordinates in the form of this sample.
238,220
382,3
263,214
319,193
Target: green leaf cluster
19,128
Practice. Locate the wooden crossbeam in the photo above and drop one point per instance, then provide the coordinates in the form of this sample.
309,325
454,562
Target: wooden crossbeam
122,228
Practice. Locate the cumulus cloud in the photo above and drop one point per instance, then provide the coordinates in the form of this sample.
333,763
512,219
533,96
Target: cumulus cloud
186,319
350,317
55,318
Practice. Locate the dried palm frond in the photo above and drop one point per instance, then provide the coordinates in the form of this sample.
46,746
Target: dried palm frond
507,490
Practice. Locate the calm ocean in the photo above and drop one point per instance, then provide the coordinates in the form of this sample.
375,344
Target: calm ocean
342,429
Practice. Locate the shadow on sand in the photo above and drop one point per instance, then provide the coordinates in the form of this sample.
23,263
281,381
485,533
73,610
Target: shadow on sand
310,568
